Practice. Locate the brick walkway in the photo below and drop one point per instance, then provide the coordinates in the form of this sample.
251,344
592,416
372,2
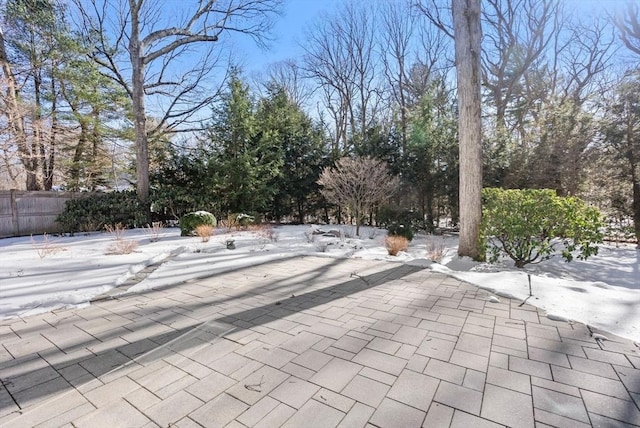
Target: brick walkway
313,342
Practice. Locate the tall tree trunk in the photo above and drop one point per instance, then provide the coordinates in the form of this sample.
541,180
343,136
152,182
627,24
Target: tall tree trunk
634,163
468,33
14,115
78,153
38,149
636,209
137,83
300,210
49,164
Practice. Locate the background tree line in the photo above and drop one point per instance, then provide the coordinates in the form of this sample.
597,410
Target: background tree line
559,103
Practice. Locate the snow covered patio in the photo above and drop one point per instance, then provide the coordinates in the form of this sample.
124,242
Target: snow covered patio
313,341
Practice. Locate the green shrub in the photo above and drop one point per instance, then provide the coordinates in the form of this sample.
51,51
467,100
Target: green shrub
531,225
388,215
396,229
243,220
190,221
93,212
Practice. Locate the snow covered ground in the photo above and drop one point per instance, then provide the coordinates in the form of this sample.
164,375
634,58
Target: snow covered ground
38,274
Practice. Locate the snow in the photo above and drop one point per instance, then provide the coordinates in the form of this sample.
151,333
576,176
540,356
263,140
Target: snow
42,273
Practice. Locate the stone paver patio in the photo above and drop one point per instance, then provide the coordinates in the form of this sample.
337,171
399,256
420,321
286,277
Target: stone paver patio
314,342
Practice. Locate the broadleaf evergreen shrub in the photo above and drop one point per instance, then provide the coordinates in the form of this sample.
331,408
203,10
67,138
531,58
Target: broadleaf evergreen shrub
93,212
399,221
395,229
244,220
189,222
532,225
388,215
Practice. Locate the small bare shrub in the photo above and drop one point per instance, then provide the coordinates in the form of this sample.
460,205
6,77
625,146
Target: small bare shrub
347,233
120,245
153,231
265,231
395,244
115,230
310,236
46,247
204,231
436,248
373,232
322,246
230,223
90,225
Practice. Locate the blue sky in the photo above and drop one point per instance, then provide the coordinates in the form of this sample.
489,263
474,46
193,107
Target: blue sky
287,33
298,15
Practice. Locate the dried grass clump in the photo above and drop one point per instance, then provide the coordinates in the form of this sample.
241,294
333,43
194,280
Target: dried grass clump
373,232
265,231
436,248
117,231
120,245
204,231
395,244
229,224
310,237
46,247
153,231
322,246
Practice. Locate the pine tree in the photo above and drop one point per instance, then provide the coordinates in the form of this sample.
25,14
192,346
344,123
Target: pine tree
243,162
286,131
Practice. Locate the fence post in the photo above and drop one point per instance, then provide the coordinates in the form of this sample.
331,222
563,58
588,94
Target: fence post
15,221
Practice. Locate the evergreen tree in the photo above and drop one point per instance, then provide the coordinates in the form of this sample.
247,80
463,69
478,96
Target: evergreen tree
430,164
243,162
30,54
285,130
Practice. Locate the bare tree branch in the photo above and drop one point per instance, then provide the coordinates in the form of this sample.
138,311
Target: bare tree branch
358,184
628,23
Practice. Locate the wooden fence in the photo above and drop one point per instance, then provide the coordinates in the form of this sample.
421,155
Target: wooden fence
24,213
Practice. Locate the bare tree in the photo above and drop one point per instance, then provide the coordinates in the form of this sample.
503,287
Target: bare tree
628,23
517,34
141,48
468,34
288,75
358,184
340,57
414,55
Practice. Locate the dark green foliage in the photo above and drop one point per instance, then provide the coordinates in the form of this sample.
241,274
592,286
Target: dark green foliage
260,158
383,144
396,229
399,221
245,220
287,130
390,214
189,222
532,225
243,161
180,186
430,160
91,213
